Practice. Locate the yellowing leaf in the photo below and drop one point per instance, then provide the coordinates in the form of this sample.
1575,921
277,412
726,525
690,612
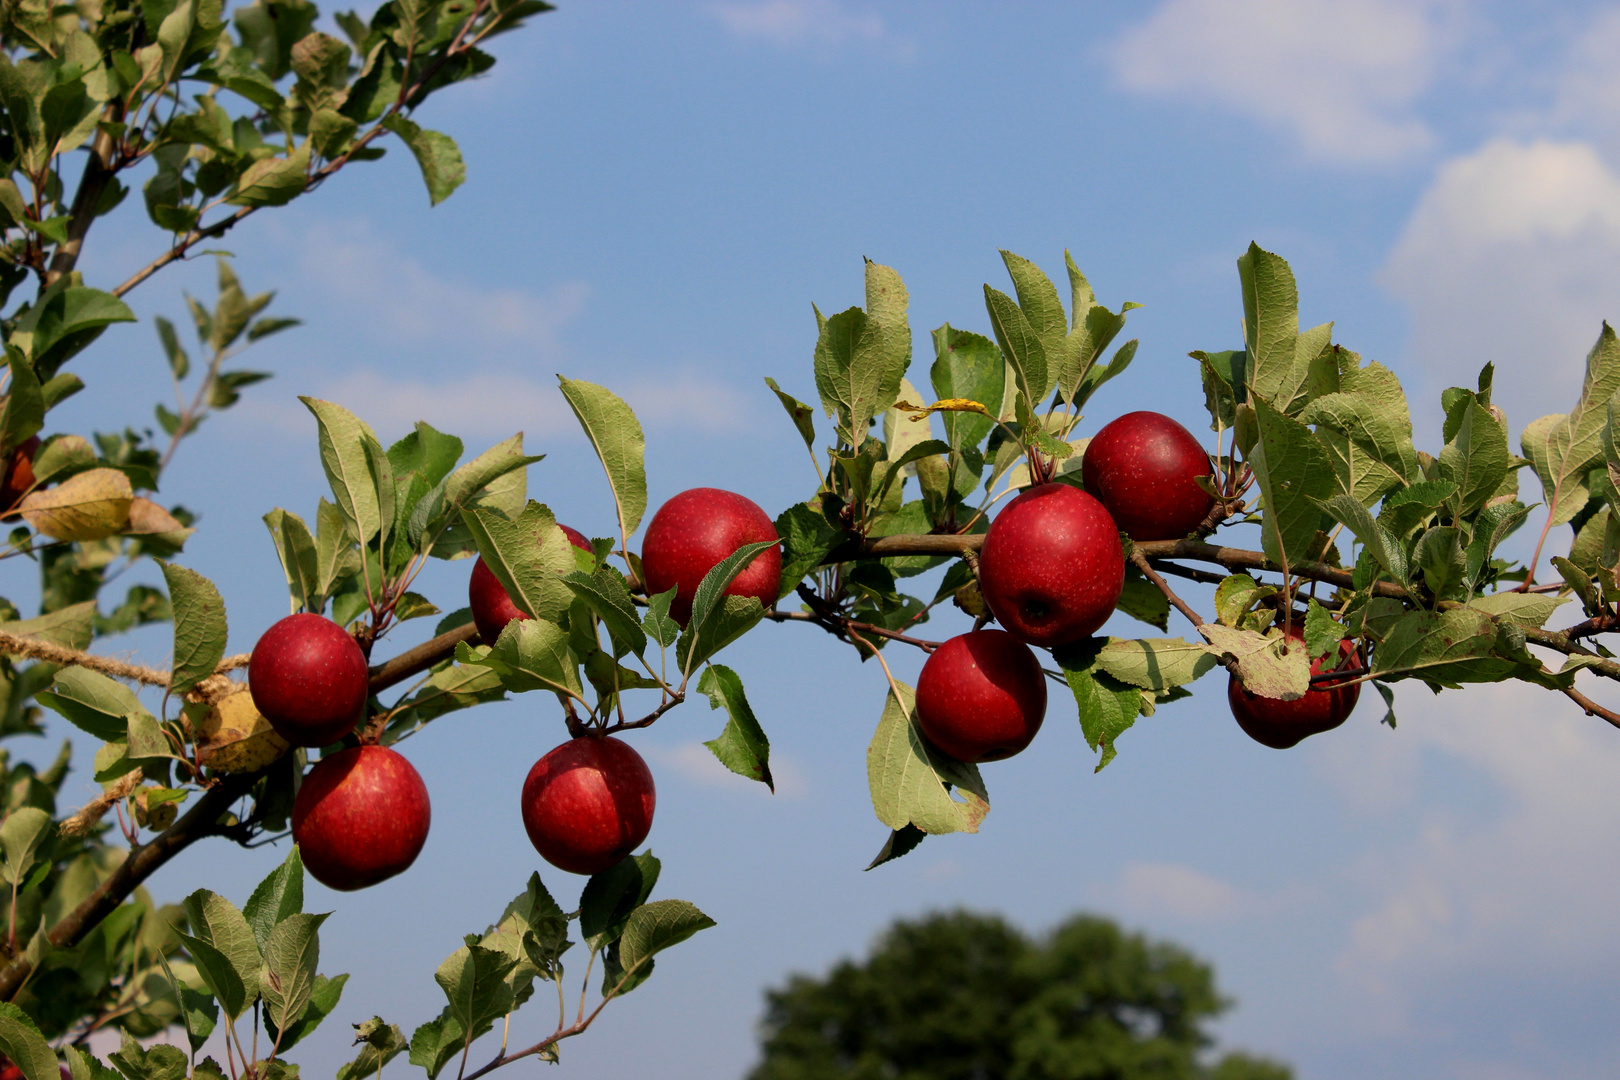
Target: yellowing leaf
90,506
234,738
147,517
922,412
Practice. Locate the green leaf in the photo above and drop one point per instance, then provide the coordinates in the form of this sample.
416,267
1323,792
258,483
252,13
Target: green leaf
24,831
742,747
1043,311
1293,473
1564,449
657,926
1439,554
348,469
82,1065
220,975
1236,594
380,1043
295,547
801,414
1107,706
434,1043
1476,459
330,132
22,1042
473,979
1529,610
806,541
968,366
1021,346
530,654
911,783
440,159
160,1062
273,181
861,356
900,842
24,412
1156,664
504,459
1447,647
323,998
218,926
199,626
718,620
93,703
291,955
179,362
1375,539
659,626
615,433
1368,436
1278,355
279,896
605,594
609,897
529,555
1141,599
1322,632
199,1012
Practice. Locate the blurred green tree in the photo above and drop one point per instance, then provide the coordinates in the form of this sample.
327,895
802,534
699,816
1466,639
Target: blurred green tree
964,996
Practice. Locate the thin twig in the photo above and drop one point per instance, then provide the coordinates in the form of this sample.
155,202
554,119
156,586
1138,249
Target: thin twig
1591,707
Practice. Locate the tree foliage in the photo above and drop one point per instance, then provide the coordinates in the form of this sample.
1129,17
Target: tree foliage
963,996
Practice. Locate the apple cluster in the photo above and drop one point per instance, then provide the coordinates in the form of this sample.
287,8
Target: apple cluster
362,813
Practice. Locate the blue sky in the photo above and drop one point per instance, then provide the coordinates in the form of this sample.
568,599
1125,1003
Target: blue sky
656,195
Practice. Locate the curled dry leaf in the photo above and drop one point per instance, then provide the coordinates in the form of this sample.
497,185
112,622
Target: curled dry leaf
90,506
147,518
234,738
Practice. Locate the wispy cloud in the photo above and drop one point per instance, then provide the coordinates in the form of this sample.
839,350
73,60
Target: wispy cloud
1341,76
1512,255
494,404
1521,889
800,23
403,300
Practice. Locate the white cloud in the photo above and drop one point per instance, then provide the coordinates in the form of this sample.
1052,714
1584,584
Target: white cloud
1176,891
1513,256
1588,92
497,403
696,764
403,300
1527,888
791,23
1341,75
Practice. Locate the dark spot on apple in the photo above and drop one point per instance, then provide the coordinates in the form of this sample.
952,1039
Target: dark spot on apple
1037,611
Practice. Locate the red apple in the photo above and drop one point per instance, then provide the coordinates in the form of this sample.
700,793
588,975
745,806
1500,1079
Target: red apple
1143,468
309,679
588,804
1052,567
1280,724
361,817
19,472
699,528
492,607
981,696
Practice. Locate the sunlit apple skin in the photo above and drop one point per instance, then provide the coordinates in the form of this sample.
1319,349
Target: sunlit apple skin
492,607
19,476
588,803
981,696
309,679
361,816
1281,724
697,529
1052,566
1142,468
